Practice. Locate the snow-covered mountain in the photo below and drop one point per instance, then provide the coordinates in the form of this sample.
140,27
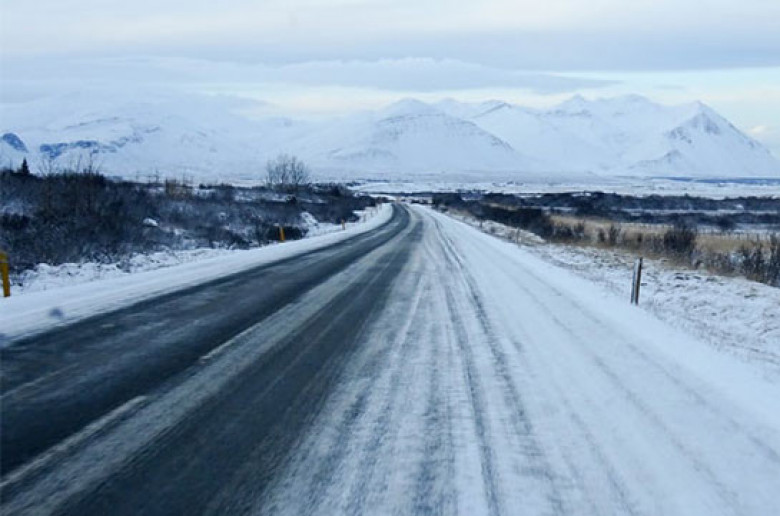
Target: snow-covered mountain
409,137
631,136
209,137
166,135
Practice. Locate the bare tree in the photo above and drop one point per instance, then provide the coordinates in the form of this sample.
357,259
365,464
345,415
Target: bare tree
48,166
287,172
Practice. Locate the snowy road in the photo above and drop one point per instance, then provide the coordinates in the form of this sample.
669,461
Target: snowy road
441,372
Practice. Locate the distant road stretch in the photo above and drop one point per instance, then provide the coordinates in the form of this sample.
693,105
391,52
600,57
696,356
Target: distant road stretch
422,368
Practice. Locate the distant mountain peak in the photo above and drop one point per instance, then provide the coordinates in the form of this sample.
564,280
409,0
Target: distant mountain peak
575,103
14,142
409,106
633,98
611,104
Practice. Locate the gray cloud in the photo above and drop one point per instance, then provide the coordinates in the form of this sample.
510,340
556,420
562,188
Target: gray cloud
555,35
425,75
567,51
409,74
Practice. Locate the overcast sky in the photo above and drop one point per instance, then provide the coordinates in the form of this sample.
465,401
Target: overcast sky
310,57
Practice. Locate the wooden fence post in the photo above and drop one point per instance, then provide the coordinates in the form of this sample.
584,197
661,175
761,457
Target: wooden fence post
637,281
4,274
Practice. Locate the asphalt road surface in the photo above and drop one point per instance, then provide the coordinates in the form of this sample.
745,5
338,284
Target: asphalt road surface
423,368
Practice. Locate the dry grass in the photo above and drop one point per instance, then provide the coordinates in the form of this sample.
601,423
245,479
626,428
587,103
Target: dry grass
707,241
755,255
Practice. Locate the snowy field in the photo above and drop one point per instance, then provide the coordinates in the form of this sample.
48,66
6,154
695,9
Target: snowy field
57,295
623,186
732,314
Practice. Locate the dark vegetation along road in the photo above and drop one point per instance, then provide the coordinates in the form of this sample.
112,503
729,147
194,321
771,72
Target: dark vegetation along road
422,368
81,215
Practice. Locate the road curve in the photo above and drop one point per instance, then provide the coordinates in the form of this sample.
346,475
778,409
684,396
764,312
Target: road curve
424,369
56,383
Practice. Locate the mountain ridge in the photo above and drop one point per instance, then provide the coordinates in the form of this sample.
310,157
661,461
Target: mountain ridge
206,137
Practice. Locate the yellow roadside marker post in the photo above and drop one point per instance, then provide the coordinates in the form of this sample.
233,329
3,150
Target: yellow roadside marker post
4,274
281,233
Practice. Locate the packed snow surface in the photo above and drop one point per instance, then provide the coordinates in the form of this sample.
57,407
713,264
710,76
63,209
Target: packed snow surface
731,314
511,386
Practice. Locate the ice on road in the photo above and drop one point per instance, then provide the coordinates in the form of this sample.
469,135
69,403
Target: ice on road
494,383
421,368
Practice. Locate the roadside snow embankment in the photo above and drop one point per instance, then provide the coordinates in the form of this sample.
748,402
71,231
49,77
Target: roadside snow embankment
67,293
48,277
731,314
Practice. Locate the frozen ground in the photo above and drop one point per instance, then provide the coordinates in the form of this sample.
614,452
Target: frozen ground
53,296
732,314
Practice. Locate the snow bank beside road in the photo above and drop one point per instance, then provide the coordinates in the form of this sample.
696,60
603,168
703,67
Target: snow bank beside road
731,314
38,311
47,277
646,332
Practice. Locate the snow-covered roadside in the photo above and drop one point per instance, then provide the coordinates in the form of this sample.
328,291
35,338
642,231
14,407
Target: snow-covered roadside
732,314
86,293
47,277
52,277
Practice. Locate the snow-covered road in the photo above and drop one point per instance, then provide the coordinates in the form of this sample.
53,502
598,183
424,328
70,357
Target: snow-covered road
495,384
444,372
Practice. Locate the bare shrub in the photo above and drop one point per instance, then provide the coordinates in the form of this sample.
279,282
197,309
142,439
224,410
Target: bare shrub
773,263
287,173
176,189
761,263
579,231
722,263
613,235
752,261
680,240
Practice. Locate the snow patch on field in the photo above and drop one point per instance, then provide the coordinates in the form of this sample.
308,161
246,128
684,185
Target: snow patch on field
67,293
731,314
